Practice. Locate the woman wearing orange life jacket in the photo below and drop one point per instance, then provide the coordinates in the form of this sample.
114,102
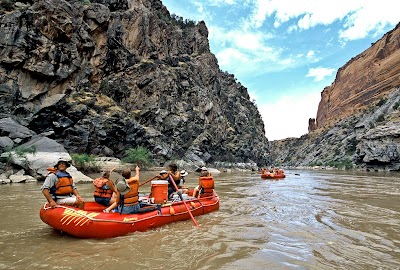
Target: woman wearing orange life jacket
205,185
104,189
128,201
59,187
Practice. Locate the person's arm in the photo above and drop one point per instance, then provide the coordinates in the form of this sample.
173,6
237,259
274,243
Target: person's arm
200,185
78,197
162,177
112,187
176,176
136,177
46,194
49,182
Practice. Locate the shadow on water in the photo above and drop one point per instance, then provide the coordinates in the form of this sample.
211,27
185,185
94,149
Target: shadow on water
309,220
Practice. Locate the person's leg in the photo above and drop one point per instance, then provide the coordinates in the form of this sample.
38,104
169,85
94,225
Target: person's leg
195,191
72,200
111,207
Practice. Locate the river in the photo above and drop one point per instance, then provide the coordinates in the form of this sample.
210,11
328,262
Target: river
309,220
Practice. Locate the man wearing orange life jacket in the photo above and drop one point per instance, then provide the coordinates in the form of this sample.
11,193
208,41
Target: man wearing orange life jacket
128,201
104,189
59,188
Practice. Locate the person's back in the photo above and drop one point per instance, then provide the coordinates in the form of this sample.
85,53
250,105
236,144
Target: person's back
129,199
204,174
104,189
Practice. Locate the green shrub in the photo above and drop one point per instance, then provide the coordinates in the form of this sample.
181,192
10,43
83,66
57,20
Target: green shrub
381,102
396,105
351,146
85,162
18,152
345,163
7,4
371,124
380,118
139,155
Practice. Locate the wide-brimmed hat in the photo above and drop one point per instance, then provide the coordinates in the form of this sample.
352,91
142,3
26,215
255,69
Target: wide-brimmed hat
122,186
163,171
66,161
204,168
184,173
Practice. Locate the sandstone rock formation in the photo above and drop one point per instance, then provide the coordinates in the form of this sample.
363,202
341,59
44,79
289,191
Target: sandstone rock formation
368,140
311,124
358,117
362,81
103,77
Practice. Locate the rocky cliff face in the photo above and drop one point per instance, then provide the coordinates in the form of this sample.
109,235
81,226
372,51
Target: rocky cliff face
363,81
103,77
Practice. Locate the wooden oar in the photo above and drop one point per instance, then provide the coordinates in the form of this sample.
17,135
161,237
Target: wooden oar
180,196
147,181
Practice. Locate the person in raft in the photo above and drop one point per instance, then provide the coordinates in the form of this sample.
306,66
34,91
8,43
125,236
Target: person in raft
105,192
182,188
128,188
199,189
172,175
59,187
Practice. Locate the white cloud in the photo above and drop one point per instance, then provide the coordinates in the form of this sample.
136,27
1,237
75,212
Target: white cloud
221,2
230,57
288,116
243,52
292,28
360,17
320,73
200,7
312,57
370,18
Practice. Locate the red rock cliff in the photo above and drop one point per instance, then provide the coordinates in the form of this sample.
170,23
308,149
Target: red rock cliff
363,80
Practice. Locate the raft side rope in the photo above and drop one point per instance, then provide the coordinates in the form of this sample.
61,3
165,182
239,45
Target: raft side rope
90,217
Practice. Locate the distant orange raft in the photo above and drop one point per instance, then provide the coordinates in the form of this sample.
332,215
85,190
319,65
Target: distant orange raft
274,175
91,222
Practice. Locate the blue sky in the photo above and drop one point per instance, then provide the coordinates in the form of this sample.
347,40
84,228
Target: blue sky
286,51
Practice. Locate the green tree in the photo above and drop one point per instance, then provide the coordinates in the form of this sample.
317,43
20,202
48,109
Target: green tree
85,162
139,155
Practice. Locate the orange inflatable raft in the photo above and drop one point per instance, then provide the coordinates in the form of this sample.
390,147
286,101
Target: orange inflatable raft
275,175
92,222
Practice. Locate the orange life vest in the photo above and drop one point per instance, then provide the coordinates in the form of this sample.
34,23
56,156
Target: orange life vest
132,197
101,188
207,184
64,185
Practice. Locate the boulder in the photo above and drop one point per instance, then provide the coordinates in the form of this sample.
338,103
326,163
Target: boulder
48,151
13,130
6,142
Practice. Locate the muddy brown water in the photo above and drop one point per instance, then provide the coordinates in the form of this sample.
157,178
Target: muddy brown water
312,220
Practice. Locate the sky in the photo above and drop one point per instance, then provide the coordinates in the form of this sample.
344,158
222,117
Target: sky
285,52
